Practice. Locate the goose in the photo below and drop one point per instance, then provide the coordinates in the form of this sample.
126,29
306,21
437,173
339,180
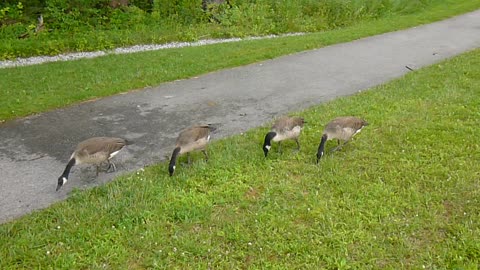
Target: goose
342,129
191,139
95,150
284,128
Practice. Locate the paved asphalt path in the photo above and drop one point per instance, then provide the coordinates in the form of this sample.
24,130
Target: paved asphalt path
34,150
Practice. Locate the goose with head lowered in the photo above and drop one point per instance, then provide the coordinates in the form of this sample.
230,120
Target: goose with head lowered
96,150
191,139
284,128
341,128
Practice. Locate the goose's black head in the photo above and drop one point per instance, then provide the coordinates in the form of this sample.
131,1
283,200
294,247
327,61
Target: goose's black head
61,181
171,169
267,144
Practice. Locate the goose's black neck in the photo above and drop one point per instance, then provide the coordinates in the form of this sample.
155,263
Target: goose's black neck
70,164
268,142
63,178
268,138
321,147
173,161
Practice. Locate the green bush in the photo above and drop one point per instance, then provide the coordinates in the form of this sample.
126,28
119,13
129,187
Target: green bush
130,17
69,15
183,11
145,5
11,13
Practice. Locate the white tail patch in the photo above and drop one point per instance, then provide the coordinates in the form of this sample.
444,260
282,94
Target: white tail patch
358,131
113,154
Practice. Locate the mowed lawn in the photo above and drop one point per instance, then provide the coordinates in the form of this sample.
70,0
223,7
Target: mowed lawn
404,194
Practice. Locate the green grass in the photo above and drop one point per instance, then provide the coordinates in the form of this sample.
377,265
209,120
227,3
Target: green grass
404,194
34,89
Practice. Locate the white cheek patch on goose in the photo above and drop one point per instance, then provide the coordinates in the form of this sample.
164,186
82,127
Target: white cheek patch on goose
208,138
174,167
64,180
268,147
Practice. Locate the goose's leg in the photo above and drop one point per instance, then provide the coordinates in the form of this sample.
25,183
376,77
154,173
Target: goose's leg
340,146
298,144
112,166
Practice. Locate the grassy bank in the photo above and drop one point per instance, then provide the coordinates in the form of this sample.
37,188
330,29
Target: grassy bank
403,195
34,89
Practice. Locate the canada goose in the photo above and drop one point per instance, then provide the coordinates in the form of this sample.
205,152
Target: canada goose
283,129
95,150
342,129
191,139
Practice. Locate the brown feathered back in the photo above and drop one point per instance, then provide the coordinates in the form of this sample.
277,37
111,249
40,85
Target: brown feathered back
344,128
347,121
287,123
191,135
99,146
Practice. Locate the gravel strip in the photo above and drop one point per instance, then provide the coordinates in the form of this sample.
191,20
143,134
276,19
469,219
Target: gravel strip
137,48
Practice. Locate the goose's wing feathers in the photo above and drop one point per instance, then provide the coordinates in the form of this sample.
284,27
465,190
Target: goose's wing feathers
287,123
349,122
355,122
192,134
98,145
344,128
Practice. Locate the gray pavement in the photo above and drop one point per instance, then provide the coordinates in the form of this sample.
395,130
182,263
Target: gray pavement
34,150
